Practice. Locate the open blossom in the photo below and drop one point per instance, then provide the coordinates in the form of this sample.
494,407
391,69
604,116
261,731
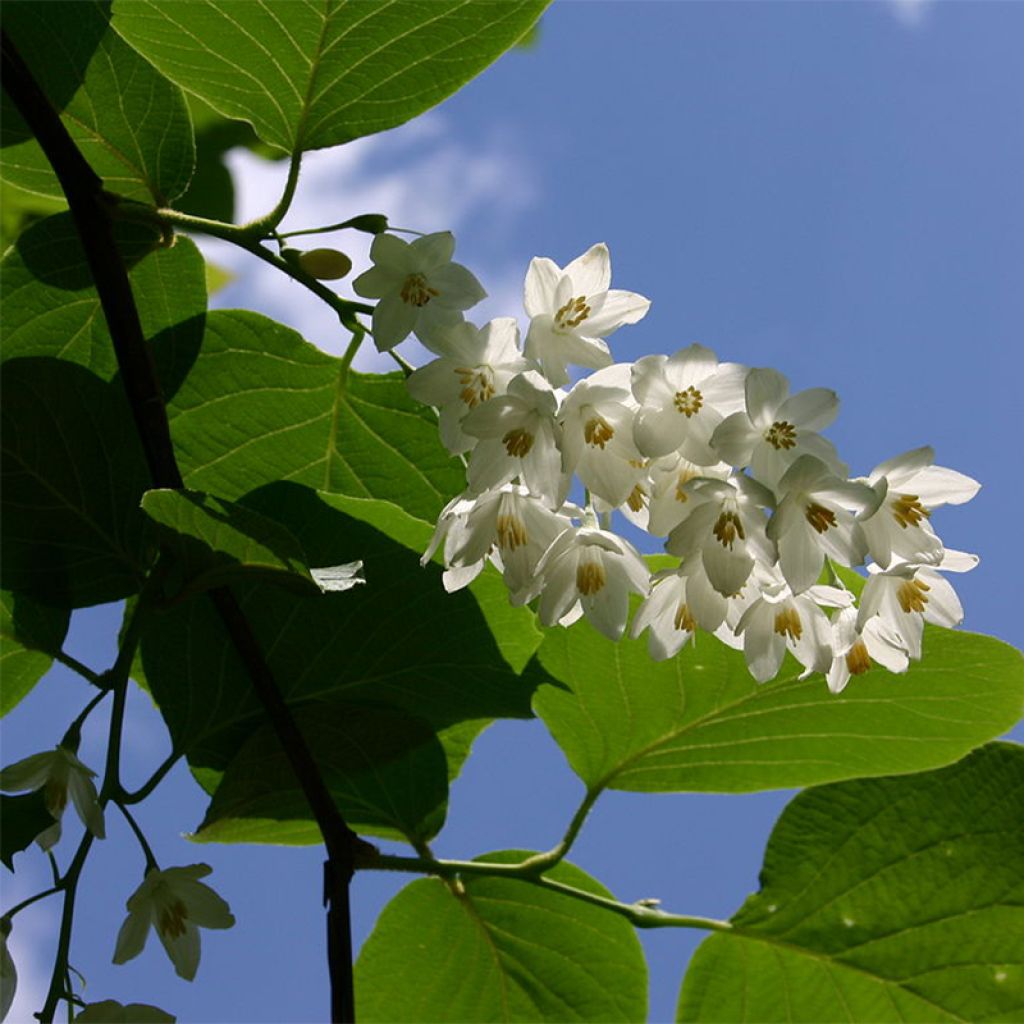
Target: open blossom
177,905
572,311
475,364
682,399
776,428
417,285
909,488
661,501
59,774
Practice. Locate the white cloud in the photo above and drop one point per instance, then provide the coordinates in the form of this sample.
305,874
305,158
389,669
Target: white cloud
911,13
32,933
418,175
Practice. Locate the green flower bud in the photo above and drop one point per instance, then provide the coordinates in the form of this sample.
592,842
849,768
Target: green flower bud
325,264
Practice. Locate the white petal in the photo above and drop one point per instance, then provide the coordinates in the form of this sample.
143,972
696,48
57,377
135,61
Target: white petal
183,950
938,485
800,559
29,773
458,288
614,309
813,409
542,279
766,390
131,939
591,273
393,321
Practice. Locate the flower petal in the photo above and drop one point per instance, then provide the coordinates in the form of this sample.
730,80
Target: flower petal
591,273
131,939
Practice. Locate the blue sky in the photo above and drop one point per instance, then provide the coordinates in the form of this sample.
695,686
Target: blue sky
831,189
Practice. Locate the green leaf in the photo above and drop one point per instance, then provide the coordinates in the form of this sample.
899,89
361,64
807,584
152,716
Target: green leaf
399,640
700,722
385,769
262,404
500,950
20,209
313,74
73,474
22,818
51,307
887,900
130,122
218,542
30,634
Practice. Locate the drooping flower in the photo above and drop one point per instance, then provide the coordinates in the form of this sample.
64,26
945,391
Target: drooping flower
909,488
682,400
572,310
177,905
854,650
776,428
59,774
417,285
659,503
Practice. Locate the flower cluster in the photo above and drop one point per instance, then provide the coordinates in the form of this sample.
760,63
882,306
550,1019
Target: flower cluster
720,460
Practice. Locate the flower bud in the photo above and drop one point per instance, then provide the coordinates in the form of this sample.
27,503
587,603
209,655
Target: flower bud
371,223
325,264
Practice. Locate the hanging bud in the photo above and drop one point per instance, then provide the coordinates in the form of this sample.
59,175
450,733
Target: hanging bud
325,264
371,223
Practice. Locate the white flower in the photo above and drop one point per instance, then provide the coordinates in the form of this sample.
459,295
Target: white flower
854,650
595,568
518,437
779,619
418,286
476,364
58,773
906,595
571,311
177,904
680,600
909,487
776,428
682,400
727,525
660,502
814,519
8,972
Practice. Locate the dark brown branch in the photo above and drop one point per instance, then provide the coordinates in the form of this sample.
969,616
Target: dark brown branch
90,208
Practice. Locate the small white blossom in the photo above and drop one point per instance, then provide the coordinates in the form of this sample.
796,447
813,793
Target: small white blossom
177,905
661,501
417,285
854,650
572,310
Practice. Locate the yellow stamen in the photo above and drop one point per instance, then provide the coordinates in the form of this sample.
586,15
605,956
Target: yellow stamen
172,919
572,314
819,517
590,577
684,620
788,624
685,476
597,431
518,442
858,661
781,435
511,532
416,291
636,498
477,384
907,510
688,402
728,528
911,595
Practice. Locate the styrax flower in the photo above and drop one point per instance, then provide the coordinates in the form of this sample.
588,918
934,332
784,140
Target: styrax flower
854,650
177,904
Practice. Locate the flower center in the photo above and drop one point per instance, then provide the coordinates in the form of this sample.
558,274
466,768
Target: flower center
590,577
684,619
728,528
55,795
788,624
572,314
172,919
907,510
477,384
819,517
781,435
688,402
416,291
858,661
636,498
518,442
511,532
597,431
912,595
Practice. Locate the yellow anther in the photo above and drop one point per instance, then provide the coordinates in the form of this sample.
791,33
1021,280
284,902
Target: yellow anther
477,384
416,291
788,624
172,919
858,661
907,510
572,314
781,435
684,619
597,431
728,528
636,498
819,517
688,402
590,577
511,533
911,595
685,476
518,442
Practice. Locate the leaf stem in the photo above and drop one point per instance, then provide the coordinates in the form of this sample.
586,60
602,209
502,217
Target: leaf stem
76,666
542,862
151,863
263,226
153,781
32,899
350,353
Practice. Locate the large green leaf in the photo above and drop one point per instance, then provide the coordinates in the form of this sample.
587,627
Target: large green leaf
30,634
315,73
398,640
130,122
500,950
887,900
700,722
385,769
262,404
73,474
51,307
